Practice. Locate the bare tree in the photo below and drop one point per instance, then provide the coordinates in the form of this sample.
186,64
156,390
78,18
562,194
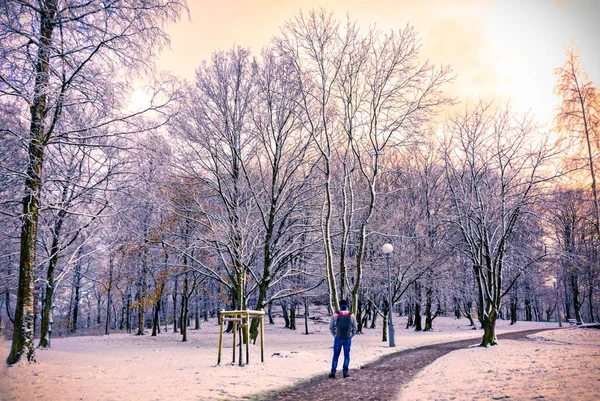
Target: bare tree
280,178
570,213
578,118
387,97
313,46
212,128
495,170
74,196
371,88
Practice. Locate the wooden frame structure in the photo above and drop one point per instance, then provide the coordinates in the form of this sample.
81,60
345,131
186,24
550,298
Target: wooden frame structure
241,321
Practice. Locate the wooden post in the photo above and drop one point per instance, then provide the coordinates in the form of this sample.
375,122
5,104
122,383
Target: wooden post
220,341
241,344
234,333
241,326
262,341
247,337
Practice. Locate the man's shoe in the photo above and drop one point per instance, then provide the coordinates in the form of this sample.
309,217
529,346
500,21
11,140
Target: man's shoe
332,375
346,375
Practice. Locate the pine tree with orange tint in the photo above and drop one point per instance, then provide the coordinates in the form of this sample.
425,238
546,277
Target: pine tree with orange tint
578,118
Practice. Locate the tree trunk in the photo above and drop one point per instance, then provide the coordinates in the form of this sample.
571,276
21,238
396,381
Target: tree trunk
99,307
128,321
576,302
55,249
39,297
270,313
528,306
108,295
292,316
123,311
359,316
489,331
417,309
513,309
528,311
197,313
468,305
591,299
240,288
175,307
418,322
456,302
156,318
366,317
306,315
76,297
181,312
363,233
23,334
113,324
89,314
184,317
429,316
108,305
286,316
374,320
46,327
185,299
410,321
262,296
141,300
206,305
567,301
326,231
165,313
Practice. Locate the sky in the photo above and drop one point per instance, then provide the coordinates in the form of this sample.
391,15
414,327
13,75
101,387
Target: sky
503,50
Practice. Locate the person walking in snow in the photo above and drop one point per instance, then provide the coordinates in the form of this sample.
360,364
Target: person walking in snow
343,327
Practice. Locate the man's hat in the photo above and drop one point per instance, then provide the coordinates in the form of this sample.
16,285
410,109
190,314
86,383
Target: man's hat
343,302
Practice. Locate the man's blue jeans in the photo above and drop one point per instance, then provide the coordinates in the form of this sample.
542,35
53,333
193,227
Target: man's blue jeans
338,344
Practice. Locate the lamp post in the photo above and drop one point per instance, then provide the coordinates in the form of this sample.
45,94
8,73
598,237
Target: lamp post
388,249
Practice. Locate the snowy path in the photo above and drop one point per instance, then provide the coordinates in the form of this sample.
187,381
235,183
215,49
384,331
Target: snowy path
380,380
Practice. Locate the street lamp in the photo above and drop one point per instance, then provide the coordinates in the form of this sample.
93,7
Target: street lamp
388,249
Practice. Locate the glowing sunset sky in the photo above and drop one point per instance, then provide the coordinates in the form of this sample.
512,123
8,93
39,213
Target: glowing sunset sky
499,49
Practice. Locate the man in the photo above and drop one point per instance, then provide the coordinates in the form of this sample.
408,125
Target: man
343,327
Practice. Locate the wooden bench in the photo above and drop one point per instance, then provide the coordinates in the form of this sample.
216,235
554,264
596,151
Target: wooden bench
573,322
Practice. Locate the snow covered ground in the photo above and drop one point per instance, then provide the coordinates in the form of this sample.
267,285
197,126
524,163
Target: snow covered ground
551,365
128,367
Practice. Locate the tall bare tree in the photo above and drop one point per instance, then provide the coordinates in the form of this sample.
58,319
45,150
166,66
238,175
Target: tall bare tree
570,213
360,94
212,127
280,179
578,119
495,168
387,100
313,46
74,196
